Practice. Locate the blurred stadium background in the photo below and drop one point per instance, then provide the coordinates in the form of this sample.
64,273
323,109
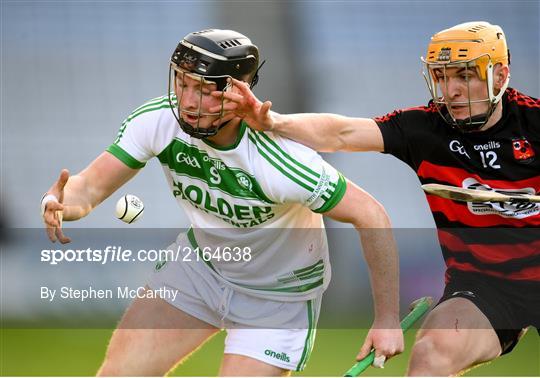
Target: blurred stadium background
72,71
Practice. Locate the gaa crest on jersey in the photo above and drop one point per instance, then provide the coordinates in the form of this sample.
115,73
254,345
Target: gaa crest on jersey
523,151
516,210
456,146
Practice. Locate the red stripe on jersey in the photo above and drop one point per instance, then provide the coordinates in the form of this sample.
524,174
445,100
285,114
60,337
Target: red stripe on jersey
522,99
428,109
455,176
431,108
527,274
489,253
459,212
387,117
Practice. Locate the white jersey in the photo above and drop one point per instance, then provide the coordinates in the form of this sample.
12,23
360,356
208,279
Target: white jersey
263,194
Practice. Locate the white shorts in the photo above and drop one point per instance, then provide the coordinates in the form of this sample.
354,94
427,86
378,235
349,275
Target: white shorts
278,333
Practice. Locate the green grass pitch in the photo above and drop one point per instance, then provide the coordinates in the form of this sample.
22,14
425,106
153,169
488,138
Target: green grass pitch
74,352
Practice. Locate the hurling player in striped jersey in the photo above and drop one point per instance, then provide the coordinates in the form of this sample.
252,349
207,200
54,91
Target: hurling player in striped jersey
255,261
477,133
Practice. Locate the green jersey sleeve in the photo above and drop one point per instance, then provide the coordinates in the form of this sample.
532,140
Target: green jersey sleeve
294,173
143,135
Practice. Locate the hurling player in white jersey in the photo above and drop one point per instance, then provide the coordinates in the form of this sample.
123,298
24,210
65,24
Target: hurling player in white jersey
258,256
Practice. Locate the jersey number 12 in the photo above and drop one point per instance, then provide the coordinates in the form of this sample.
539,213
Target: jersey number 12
489,157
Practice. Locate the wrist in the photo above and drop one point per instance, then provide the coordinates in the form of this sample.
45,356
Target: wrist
387,317
278,123
47,197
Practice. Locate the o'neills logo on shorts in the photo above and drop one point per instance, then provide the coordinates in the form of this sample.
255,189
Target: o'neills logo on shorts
280,356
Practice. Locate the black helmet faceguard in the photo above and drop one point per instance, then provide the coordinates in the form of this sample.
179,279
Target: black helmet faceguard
211,56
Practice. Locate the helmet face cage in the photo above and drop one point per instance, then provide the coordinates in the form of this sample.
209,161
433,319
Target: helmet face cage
471,123
177,74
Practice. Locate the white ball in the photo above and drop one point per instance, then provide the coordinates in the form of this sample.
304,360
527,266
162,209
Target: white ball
129,208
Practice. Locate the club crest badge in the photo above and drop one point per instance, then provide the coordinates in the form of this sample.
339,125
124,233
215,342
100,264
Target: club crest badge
244,181
188,61
523,151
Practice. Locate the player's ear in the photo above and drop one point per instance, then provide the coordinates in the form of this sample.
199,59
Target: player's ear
500,75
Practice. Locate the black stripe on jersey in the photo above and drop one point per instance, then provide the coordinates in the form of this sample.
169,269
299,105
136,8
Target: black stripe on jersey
494,235
518,288
443,222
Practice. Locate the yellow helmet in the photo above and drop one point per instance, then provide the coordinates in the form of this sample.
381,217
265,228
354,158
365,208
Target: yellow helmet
478,41
472,44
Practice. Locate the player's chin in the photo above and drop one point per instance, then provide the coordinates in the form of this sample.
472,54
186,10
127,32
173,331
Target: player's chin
463,113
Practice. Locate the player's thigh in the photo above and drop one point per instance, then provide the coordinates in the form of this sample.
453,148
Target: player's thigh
459,330
152,337
238,365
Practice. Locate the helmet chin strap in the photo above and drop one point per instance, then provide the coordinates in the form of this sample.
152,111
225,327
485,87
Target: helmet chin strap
197,132
469,124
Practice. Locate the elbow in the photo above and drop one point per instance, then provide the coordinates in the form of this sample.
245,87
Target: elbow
373,216
342,140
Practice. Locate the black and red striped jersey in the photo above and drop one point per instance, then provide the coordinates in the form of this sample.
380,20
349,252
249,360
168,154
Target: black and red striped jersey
497,239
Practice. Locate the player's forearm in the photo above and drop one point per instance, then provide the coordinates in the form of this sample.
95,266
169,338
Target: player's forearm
382,259
381,256
321,132
368,216
86,190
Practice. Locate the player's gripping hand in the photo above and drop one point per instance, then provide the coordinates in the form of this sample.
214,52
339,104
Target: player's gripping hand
241,102
52,209
385,339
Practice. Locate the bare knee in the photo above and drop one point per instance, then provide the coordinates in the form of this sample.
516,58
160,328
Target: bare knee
433,355
125,357
150,345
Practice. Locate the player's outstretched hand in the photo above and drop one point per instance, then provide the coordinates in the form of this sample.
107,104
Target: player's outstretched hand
386,342
52,209
241,102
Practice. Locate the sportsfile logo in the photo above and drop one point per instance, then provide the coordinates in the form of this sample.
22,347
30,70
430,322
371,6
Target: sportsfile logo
280,356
